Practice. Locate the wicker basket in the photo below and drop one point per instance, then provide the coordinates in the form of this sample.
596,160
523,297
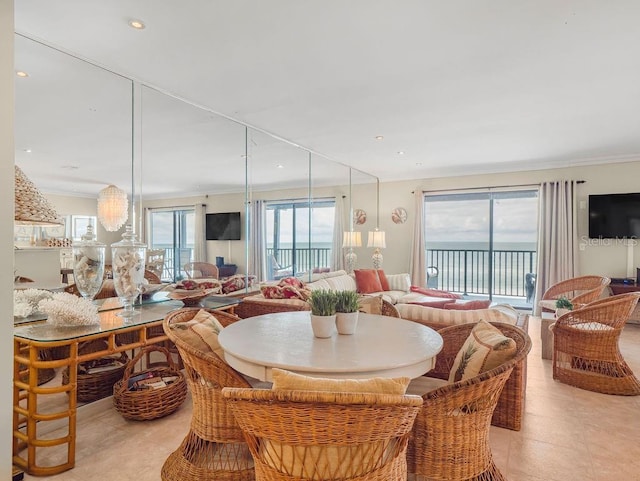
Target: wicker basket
98,385
147,404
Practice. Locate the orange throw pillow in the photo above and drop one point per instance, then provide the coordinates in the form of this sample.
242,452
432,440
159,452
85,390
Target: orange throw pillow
383,280
367,281
466,306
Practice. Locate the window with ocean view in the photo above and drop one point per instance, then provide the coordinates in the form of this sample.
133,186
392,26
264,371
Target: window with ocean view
299,234
173,230
483,244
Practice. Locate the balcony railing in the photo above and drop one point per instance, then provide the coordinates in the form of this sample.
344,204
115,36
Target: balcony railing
467,271
305,258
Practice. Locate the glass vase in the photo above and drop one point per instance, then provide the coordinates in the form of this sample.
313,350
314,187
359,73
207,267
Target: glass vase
128,259
88,264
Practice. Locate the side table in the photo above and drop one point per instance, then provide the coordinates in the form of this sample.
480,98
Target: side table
546,336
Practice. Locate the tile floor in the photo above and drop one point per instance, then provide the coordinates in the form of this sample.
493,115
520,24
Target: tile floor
568,434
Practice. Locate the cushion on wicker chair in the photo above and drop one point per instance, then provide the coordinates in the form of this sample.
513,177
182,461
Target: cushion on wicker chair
485,348
201,332
289,381
370,304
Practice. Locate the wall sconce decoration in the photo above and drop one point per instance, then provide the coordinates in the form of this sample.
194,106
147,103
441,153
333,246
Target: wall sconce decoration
113,208
376,237
31,207
350,240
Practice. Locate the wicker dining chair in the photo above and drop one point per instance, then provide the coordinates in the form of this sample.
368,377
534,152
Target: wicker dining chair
450,437
585,346
214,448
579,290
509,411
324,436
200,270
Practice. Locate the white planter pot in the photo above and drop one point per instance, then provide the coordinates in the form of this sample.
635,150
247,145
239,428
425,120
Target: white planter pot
346,322
323,326
561,311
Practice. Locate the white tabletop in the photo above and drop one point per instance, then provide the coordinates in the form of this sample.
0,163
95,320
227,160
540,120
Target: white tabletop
381,346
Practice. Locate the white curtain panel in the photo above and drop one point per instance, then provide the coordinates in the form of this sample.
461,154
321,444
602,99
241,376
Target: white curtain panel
418,268
557,235
257,240
200,243
337,259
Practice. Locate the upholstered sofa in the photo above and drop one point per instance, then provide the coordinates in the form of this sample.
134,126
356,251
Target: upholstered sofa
398,291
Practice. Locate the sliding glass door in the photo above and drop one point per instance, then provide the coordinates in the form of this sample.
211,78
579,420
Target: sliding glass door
299,236
173,230
483,244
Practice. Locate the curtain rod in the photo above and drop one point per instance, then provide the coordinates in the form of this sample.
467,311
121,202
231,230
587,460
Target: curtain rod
492,187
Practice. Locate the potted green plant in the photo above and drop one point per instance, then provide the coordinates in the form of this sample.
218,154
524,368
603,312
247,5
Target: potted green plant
323,312
563,305
346,311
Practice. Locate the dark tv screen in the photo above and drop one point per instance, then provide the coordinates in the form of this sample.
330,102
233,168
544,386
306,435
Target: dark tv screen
223,226
614,216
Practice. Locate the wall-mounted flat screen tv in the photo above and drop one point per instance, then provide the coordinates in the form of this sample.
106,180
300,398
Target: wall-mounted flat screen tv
223,226
614,216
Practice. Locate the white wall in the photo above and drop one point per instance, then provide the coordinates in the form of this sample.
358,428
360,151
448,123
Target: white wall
603,258
7,76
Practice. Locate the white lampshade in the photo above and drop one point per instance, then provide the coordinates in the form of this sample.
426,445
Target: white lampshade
376,239
113,208
351,239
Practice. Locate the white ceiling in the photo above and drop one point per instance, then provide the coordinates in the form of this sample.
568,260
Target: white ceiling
458,86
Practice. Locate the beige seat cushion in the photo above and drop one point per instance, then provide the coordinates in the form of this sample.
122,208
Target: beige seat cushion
289,381
201,332
424,384
370,304
485,348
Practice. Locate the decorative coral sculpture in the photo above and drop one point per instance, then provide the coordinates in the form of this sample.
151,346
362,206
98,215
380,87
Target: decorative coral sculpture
65,309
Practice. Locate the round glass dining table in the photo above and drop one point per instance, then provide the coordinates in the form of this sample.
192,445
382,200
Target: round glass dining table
382,346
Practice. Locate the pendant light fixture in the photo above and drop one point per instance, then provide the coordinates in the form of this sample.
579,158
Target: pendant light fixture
113,208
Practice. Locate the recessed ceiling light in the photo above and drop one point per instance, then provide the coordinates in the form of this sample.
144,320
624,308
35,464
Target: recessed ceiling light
28,151
280,166
379,137
418,164
400,152
22,74
137,24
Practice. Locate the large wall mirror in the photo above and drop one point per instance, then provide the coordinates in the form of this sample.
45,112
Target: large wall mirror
80,128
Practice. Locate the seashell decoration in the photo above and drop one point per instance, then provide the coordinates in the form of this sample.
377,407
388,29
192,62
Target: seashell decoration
359,217
399,215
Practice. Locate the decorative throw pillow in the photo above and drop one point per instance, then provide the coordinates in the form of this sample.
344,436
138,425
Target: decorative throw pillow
436,304
367,281
291,281
201,332
384,283
467,306
370,304
435,292
485,348
289,381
